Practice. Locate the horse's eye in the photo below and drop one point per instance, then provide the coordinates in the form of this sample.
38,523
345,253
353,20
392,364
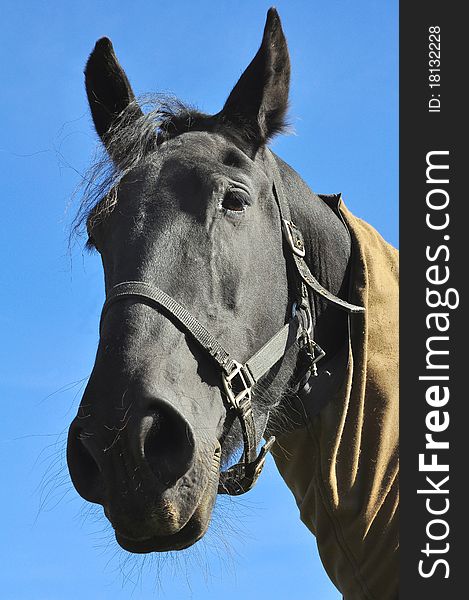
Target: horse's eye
234,201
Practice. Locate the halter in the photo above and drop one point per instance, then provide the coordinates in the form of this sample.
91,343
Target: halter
239,379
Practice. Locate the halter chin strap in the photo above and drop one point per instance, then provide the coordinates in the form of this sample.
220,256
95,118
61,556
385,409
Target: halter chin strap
239,379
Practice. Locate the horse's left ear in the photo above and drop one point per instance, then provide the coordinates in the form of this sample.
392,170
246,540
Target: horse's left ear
258,103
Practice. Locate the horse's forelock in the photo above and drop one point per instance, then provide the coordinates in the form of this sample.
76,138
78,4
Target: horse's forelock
128,145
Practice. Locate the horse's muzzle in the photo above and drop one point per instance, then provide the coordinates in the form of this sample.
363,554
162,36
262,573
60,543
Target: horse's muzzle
156,485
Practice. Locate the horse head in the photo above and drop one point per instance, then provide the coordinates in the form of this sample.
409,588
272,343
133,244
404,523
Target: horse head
190,212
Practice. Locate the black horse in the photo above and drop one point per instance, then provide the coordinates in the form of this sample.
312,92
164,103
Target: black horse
203,265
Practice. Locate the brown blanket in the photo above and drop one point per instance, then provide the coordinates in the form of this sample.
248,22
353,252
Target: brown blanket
343,465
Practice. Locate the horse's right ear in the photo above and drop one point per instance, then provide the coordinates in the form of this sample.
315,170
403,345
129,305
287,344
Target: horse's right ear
108,89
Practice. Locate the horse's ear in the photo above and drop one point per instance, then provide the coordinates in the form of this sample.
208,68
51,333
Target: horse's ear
259,101
108,89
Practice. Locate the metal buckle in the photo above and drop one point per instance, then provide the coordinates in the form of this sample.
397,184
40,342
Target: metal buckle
294,237
238,385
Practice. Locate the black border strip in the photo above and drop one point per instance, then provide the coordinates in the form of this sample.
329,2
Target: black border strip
433,244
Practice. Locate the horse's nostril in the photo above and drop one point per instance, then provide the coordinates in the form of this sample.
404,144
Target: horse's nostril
168,443
83,468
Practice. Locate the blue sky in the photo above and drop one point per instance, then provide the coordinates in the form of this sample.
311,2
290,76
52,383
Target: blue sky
344,110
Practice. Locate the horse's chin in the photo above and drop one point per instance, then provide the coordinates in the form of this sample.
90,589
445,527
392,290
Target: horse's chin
190,533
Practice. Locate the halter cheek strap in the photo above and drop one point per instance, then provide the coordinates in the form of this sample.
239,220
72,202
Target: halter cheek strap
294,239
239,379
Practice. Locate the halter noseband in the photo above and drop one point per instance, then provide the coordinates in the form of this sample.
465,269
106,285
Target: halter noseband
239,379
